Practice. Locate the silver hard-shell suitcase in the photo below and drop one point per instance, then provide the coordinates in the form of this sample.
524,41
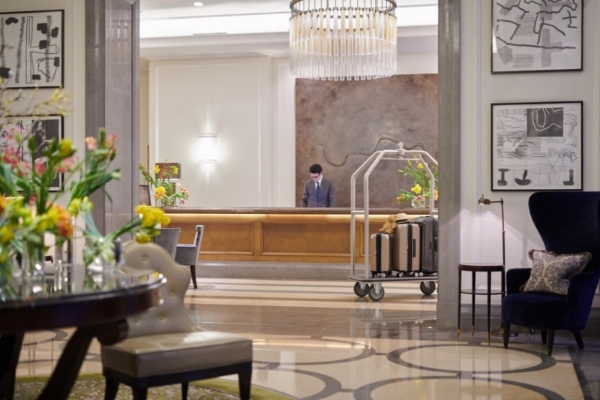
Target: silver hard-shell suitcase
406,253
381,251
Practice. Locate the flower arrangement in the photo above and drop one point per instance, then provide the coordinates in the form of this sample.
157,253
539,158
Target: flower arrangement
421,190
29,163
161,184
143,226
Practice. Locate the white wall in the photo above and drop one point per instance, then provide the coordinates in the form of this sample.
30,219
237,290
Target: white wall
250,104
481,226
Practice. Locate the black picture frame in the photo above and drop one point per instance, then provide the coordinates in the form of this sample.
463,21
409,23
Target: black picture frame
47,127
33,43
537,146
536,36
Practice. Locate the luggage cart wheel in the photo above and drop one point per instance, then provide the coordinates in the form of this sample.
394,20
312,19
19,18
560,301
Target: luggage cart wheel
376,292
361,289
428,287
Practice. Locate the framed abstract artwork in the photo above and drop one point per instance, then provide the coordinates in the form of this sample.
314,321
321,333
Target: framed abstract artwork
32,44
536,36
537,146
44,129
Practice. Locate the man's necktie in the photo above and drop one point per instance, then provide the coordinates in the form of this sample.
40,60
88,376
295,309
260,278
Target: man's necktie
318,189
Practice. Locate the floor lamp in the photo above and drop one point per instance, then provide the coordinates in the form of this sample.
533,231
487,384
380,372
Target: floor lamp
486,202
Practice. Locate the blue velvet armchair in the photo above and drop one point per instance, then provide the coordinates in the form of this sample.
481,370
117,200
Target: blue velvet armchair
568,223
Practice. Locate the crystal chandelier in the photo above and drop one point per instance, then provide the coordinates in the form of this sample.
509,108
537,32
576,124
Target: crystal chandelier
343,39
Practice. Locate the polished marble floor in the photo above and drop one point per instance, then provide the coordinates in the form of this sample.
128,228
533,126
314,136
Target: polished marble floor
317,340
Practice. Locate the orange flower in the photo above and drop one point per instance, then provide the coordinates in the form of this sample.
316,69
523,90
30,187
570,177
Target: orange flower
64,227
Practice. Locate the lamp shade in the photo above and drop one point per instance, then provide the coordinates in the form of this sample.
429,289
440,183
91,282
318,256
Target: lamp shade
207,149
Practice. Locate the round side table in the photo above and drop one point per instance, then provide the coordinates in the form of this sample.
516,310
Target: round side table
474,268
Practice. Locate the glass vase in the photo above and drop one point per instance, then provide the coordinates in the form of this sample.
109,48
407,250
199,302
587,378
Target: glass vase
100,265
169,202
63,265
418,202
33,258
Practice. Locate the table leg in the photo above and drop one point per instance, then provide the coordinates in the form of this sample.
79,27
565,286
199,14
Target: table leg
459,293
489,298
65,374
473,304
10,349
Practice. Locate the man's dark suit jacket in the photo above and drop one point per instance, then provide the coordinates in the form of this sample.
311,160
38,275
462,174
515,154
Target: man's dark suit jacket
326,194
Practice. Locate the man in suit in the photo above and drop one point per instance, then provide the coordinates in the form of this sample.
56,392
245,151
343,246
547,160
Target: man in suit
318,192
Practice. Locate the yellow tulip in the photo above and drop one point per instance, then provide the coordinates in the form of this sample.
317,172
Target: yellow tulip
65,148
6,234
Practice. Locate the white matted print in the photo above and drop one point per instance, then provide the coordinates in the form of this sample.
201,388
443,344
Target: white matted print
32,49
530,36
537,146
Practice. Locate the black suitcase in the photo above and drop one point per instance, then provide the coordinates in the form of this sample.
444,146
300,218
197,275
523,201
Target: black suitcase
429,234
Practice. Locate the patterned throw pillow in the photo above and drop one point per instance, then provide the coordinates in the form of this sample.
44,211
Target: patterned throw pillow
550,272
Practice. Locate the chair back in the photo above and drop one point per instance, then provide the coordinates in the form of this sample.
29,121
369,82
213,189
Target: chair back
568,222
170,316
198,237
168,239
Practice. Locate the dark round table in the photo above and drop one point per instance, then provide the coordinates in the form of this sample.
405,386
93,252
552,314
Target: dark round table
98,308
474,268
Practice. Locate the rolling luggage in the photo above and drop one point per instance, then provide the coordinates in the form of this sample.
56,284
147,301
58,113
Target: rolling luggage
429,233
380,249
406,249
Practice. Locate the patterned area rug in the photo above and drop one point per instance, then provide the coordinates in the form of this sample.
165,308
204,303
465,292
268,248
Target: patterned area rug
91,387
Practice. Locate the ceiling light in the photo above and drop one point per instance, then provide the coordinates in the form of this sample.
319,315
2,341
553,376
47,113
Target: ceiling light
356,40
198,4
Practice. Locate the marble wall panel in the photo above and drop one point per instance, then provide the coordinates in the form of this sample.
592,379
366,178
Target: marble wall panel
339,124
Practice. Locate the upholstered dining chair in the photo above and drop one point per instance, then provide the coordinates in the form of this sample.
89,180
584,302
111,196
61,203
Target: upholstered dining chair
163,347
568,223
187,254
168,239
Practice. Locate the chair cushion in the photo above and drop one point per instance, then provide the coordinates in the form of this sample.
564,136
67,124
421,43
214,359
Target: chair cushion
536,310
172,353
550,272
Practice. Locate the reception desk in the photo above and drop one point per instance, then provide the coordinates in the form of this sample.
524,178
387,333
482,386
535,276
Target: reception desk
298,235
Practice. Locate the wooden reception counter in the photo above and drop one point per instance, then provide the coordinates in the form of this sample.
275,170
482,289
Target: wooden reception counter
305,235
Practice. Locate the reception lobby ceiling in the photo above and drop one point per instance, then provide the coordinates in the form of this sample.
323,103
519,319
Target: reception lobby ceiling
176,29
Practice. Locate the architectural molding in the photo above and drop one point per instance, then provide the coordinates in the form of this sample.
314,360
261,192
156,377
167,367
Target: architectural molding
449,69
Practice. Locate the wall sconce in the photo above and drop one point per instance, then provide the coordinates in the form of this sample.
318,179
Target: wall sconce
207,149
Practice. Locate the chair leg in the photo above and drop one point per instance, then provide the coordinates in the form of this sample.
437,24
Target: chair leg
578,338
550,341
112,387
184,390
505,334
140,393
245,381
544,336
193,271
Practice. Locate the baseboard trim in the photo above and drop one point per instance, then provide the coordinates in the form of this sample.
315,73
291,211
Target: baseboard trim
260,270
